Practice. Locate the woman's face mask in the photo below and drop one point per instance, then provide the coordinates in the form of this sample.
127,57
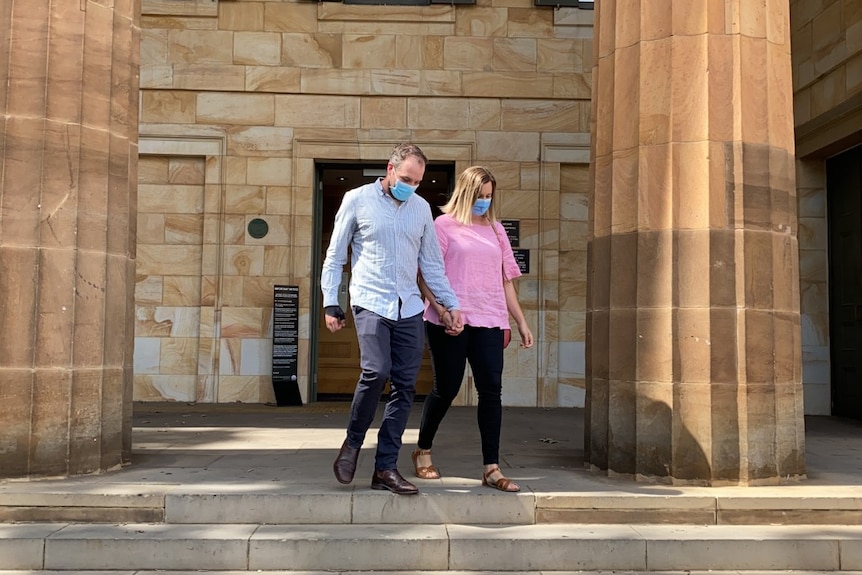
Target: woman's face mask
481,206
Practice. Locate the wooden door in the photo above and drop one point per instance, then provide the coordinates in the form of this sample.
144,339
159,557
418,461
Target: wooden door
844,199
338,353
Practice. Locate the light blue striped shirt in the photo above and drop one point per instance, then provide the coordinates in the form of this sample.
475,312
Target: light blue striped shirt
390,243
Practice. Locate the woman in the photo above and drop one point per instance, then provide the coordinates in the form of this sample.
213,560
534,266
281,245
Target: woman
480,266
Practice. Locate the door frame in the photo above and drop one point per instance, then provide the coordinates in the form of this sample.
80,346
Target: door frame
316,300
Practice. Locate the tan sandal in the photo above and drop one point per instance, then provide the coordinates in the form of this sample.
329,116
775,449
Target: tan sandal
429,472
502,484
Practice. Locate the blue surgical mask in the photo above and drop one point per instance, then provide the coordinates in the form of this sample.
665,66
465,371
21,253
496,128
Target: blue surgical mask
481,206
401,191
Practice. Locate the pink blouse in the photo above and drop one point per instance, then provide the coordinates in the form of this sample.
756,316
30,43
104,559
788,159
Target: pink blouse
475,257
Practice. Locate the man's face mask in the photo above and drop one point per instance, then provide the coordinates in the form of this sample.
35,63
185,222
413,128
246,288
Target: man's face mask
401,191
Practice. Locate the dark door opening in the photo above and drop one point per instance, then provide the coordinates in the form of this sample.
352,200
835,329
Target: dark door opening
844,211
336,366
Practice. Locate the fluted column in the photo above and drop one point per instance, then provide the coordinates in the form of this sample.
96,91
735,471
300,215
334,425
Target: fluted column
694,346
68,156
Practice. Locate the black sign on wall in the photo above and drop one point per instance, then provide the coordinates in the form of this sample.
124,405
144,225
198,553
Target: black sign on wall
513,231
523,259
285,345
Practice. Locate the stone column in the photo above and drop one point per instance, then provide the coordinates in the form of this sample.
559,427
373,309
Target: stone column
68,182
693,344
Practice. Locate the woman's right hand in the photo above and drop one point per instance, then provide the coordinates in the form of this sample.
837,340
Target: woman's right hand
526,335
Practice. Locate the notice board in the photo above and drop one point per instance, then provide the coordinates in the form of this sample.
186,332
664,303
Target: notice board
285,345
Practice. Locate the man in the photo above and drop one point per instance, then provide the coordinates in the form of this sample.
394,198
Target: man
391,232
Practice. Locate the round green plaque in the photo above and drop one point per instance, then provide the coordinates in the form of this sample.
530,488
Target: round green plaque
258,228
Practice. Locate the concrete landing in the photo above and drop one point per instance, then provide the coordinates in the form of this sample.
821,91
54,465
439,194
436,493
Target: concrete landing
256,450
247,488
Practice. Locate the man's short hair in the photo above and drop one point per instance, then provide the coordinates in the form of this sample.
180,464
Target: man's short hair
405,150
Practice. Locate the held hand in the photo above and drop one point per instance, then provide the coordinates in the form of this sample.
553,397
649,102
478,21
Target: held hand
456,319
454,331
448,320
454,325
335,319
526,336
445,318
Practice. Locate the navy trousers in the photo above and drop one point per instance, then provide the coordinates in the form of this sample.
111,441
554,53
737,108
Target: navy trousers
390,350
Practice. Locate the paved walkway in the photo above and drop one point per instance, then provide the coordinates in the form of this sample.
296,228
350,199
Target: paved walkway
256,448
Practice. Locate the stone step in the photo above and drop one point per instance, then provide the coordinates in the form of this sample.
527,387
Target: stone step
403,572
434,506
413,547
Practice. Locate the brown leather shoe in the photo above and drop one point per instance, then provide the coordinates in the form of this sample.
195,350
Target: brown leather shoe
345,464
390,479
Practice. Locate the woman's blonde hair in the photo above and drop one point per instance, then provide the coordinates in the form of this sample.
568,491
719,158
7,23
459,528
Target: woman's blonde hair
467,188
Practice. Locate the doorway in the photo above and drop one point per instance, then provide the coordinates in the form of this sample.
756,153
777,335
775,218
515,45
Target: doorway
844,211
335,366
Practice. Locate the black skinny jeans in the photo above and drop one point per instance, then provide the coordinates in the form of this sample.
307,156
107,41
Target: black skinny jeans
483,348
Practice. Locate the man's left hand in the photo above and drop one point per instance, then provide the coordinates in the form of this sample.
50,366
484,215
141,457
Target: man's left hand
455,325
